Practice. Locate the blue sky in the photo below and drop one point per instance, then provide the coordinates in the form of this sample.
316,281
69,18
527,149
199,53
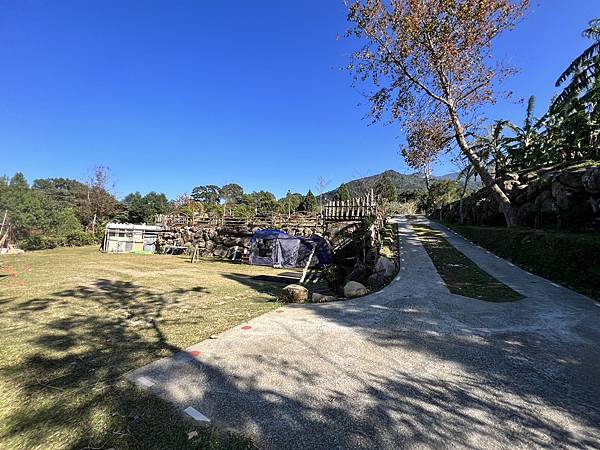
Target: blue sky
171,95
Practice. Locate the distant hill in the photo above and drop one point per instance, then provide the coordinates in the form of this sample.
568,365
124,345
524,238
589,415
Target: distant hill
405,183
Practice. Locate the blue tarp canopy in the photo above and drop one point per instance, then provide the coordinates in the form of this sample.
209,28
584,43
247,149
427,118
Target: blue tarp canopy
276,248
269,234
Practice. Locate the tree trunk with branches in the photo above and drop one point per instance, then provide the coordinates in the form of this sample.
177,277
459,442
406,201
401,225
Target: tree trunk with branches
430,64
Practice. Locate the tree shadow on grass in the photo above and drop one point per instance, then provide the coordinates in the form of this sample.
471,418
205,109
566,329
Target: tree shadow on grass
71,390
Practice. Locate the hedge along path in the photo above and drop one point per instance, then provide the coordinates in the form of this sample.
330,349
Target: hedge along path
461,275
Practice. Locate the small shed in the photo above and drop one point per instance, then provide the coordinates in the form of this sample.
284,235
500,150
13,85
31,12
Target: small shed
130,238
276,248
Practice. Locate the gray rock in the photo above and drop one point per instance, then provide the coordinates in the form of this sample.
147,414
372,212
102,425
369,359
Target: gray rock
360,273
572,178
294,293
220,251
565,198
591,180
354,289
533,189
385,266
376,281
322,298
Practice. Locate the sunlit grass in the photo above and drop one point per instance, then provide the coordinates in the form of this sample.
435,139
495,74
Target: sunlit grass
461,275
74,321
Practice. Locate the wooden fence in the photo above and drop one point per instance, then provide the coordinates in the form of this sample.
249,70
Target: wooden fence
303,220
353,209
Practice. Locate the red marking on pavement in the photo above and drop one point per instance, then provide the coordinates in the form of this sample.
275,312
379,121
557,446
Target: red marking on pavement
279,311
246,327
193,353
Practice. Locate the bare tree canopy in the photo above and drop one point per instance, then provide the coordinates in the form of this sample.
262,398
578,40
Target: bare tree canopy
432,68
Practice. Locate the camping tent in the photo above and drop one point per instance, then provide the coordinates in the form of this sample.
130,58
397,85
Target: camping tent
276,248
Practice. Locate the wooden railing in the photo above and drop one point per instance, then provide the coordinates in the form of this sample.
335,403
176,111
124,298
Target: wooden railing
297,219
353,209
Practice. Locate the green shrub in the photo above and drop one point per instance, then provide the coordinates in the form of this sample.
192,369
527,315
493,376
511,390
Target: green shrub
41,242
79,239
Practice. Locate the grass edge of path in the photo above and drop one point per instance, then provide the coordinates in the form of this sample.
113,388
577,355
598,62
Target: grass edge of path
460,274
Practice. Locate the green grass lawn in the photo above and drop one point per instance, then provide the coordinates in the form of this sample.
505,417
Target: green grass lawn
75,321
461,275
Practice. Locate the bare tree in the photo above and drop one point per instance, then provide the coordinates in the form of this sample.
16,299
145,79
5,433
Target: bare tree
431,62
100,202
425,141
322,184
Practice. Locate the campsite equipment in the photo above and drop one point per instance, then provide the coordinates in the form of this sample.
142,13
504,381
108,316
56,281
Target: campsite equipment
278,249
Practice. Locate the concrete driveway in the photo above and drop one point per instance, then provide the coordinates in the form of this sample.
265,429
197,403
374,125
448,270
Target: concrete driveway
412,366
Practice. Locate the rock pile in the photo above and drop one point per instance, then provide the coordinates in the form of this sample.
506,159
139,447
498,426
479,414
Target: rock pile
221,242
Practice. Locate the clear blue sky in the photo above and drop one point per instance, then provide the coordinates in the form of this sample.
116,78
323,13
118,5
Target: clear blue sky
171,95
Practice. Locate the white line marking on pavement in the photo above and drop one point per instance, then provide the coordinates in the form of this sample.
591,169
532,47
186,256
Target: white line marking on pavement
555,285
145,381
195,414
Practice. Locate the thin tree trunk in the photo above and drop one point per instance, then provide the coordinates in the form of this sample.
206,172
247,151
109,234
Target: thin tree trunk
501,198
461,210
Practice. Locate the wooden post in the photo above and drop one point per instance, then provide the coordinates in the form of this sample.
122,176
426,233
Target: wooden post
305,271
3,222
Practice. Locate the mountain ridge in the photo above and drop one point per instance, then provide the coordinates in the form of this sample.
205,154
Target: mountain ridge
407,184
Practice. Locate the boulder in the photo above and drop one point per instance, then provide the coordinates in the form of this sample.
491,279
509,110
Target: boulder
354,289
322,298
385,267
360,273
591,180
572,178
565,198
230,241
533,189
376,281
220,251
294,293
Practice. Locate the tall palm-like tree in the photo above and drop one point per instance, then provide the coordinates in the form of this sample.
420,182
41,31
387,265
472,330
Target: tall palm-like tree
582,72
492,147
524,147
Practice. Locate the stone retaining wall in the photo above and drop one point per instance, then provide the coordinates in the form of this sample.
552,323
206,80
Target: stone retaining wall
349,239
546,198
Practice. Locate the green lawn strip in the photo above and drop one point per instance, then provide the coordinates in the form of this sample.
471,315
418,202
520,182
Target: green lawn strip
75,321
571,259
461,275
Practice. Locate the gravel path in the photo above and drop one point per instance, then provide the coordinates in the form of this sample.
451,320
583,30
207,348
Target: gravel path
412,366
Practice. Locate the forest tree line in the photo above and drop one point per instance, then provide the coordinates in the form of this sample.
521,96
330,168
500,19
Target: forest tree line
54,212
